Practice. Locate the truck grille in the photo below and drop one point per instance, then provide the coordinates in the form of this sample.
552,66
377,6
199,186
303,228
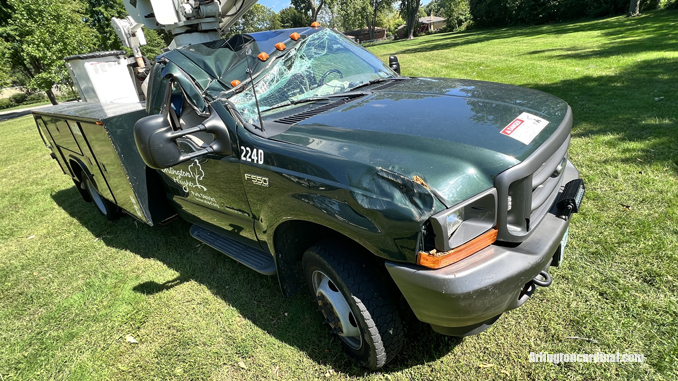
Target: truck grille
527,190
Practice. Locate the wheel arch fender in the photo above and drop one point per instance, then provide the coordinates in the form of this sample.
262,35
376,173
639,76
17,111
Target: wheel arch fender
80,170
291,238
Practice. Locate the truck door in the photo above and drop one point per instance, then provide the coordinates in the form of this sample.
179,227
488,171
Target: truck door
208,190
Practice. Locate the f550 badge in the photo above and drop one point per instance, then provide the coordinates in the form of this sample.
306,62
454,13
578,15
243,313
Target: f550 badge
257,180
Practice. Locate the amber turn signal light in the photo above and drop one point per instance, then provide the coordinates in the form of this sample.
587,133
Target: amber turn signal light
315,24
280,46
295,36
439,260
235,83
263,56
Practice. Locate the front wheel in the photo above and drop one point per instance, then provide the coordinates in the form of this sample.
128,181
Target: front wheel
356,305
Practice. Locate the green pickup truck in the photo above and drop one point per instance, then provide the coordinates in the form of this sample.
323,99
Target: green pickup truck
301,155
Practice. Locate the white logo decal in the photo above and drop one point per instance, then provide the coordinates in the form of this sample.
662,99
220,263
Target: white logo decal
195,174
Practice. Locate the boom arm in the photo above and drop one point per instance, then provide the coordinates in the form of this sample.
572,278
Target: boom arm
190,21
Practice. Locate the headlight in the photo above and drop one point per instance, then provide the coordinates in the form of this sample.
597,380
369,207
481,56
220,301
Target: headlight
453,221
465,221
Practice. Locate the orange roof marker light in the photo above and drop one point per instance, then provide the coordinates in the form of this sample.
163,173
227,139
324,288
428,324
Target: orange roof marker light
280,46
315,24
295,36
263,56
235,83
436,260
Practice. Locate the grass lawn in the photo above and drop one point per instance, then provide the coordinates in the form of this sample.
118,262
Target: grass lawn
74,286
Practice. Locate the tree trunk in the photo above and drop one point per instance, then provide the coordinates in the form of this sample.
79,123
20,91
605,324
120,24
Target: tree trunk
374,22
412,24
634,8
52,97
315,10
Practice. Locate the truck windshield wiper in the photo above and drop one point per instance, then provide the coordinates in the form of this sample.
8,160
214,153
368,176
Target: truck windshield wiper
376,80
314,99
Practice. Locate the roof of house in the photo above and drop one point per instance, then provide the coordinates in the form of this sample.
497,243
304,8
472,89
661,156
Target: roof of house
430,19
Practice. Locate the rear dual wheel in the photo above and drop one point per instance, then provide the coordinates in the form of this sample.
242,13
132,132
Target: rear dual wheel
105,207
357,307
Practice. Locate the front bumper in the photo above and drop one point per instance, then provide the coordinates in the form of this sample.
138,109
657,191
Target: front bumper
468,296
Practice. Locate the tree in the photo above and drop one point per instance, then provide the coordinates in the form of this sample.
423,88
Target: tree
634,8
410,11
330,16
257,19
354,13
312,6
39,34
376,6
391,20
99,14
290,17
457,14
435,7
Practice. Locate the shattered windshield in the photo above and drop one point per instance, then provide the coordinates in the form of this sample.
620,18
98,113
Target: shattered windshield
324,64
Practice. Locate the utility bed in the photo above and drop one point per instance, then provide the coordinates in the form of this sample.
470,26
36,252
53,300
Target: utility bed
96,140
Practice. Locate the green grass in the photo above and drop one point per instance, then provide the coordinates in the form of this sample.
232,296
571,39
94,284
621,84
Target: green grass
73,286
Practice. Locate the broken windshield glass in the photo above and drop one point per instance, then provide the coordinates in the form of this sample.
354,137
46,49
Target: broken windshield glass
325,64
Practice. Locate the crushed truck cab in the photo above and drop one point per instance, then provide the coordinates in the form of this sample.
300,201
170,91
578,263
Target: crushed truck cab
301,155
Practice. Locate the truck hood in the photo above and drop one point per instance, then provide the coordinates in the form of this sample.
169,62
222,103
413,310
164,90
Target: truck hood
445,131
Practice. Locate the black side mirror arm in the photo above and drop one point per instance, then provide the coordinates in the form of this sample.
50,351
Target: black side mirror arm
156,140
394,64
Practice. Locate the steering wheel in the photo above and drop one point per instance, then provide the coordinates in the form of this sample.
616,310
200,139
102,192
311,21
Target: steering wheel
322,79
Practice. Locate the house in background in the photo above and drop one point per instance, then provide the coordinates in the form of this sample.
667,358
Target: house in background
362,35
431,23
425,24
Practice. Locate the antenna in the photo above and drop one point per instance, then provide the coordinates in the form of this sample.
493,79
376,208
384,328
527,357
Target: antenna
256,101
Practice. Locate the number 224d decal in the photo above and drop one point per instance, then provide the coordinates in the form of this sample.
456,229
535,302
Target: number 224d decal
252,155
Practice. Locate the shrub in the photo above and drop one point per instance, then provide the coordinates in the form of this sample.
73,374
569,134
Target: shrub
6,103
35,98
18,98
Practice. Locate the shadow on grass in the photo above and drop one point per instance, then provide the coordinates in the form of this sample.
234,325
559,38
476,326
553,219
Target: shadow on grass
655,31
633,102
293,321
636,105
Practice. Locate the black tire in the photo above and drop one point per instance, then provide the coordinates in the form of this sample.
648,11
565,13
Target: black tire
373,311
105,207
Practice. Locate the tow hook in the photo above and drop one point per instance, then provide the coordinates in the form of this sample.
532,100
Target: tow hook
543,279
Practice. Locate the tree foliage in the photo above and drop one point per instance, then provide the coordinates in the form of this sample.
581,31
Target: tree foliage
457,14
354,13
99,14
39,34
290,17
310,7
511,12
257,19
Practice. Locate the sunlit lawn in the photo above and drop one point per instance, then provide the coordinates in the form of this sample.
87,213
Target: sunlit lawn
73,286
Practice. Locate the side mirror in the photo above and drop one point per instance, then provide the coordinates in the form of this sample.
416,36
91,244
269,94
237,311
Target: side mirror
394,64
156,140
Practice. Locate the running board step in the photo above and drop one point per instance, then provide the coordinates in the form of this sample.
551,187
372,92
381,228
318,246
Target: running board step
257,260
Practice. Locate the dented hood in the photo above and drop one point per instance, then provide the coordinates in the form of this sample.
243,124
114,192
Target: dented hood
457,135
